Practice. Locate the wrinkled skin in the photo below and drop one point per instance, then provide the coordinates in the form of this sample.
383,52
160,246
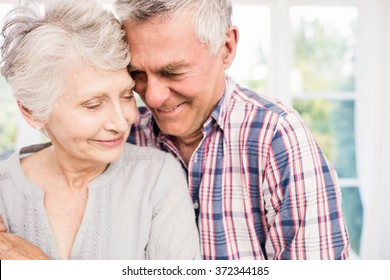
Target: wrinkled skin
12,247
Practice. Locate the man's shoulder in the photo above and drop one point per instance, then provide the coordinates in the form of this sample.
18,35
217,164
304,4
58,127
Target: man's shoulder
259,113
250,100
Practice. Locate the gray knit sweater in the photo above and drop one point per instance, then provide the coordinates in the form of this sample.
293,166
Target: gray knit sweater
139,208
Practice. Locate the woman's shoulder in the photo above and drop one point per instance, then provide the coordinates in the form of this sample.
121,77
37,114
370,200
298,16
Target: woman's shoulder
5,167
23,162
137,153
10,174
149,170
150,161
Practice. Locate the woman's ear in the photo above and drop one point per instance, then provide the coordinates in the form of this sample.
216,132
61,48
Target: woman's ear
30,119
230,46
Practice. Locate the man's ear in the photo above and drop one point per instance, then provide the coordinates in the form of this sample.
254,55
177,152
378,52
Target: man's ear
230,46
30,119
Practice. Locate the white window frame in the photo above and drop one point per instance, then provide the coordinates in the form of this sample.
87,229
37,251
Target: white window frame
280,62
281,55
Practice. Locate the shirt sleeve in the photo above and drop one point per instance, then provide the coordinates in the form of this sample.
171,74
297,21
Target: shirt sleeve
174,234
302,197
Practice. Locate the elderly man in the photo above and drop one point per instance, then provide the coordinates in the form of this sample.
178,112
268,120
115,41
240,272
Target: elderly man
260,185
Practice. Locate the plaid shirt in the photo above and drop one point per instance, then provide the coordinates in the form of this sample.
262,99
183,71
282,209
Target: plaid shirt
261,186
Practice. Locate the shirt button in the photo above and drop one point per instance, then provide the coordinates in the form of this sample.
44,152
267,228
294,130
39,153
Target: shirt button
196,205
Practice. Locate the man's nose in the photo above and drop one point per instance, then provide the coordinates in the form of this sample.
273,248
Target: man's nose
156,92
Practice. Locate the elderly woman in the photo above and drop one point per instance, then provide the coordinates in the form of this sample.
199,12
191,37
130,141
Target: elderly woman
86,194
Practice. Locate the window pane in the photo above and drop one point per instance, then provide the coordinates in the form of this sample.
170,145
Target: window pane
7,129
324,48
7,119
353,211
332,123
7,107
250,65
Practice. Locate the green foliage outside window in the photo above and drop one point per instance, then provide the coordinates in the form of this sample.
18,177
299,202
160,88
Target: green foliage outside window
7,119
324,58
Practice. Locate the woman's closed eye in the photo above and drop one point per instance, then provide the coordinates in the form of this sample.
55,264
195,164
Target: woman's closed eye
128,96
93,106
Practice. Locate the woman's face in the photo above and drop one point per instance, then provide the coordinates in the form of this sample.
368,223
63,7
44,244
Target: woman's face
91,121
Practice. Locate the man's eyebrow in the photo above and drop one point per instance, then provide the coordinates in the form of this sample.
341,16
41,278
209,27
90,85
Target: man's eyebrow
172,67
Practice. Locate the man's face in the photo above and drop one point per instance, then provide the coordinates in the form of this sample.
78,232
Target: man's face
175,74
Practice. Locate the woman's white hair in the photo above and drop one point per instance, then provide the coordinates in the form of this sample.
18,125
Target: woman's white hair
42,41
211,18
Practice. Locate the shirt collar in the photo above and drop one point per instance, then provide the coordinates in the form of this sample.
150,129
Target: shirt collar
220,111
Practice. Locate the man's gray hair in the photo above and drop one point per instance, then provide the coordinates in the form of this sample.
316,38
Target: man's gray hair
42,41
211,18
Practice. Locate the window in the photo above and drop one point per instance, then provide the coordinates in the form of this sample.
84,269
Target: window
251,63
323,91
7,109
309,63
